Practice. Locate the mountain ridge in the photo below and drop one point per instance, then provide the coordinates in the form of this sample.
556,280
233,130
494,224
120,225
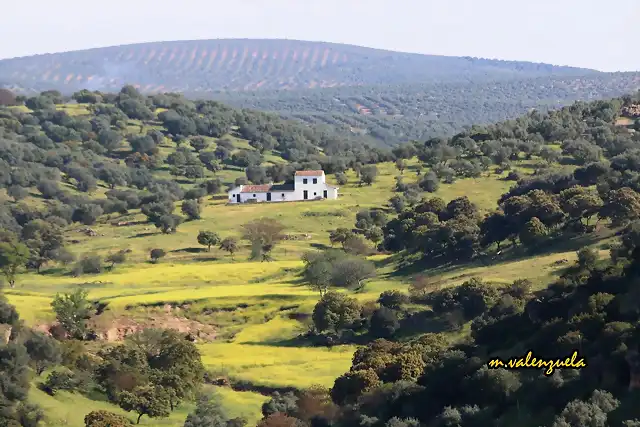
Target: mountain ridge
253,64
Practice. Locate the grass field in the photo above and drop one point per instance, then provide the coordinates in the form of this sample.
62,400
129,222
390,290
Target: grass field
63,408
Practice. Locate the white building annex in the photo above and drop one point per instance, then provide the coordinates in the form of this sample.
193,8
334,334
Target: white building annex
307,185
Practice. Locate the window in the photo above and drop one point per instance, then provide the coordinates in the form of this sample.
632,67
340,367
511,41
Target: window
315,194
254,195
315,180
283,195
304,181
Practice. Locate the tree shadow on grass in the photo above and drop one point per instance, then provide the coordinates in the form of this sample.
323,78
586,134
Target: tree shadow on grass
277,297
438,266
206,259
54,271
554,246
189,250
320,246
147,234
291,342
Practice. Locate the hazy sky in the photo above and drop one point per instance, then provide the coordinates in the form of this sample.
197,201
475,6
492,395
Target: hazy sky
596,34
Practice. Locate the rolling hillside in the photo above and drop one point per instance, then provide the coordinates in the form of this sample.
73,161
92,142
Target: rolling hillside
392,114
114,220
239,64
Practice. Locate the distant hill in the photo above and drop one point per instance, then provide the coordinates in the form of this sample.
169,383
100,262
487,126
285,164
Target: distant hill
392,114
242,64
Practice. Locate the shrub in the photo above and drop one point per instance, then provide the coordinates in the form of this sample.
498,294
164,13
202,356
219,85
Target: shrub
89,264
156,254
60,379
105,419
341,178
191,208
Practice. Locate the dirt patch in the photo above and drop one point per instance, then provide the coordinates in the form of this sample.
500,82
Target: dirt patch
112,328
115,328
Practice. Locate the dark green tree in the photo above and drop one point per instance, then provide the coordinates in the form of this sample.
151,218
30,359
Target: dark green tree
13,255
208,239
263,234
43,350
72,311
335,312
191,208
145,400
116,258
156,254
103,418
368,174
229,244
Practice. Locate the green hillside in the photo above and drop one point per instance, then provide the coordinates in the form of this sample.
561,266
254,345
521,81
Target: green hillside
380,308
203,66
392,114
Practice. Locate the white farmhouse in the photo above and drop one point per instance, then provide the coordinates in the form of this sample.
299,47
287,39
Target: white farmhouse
307,185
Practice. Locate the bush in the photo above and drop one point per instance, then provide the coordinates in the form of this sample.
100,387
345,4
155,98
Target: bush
17,192
60,379
116,258
430,182
356,245
393,299
384,323
513,176
195,193
341,178
29,415
191,208
105,419
89,264
212,186
156,254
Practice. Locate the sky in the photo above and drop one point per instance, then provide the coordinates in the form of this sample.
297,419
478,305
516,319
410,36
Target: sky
585,33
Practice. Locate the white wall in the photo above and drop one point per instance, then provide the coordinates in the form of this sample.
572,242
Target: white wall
231,194
289,196
244,197
314,191
332,193
311,188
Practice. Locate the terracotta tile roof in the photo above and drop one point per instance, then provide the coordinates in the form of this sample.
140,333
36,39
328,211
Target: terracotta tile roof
309,173
256,188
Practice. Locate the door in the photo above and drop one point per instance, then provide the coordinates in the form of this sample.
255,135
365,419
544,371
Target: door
238,198
305,194
325,194
268,197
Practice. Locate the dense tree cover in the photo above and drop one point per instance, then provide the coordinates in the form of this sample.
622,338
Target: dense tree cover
397,379
151,373
391,114
64,158
404,378
539,209
430,381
